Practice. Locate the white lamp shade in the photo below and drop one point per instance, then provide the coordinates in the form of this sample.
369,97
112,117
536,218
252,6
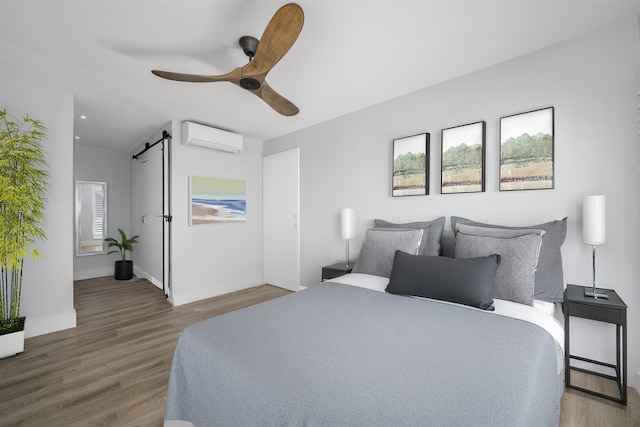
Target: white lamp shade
594,220
348,217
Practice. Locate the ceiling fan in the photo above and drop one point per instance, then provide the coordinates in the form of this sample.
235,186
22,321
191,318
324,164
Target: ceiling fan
280,34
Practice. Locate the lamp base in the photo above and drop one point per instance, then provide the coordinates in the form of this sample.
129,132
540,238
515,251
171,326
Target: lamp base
593,293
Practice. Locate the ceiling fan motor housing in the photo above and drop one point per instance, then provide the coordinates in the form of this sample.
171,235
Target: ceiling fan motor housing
249,83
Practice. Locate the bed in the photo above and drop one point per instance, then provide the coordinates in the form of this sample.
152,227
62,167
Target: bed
378,349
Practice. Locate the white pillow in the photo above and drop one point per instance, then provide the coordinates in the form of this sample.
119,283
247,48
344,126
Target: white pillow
367,281
544,307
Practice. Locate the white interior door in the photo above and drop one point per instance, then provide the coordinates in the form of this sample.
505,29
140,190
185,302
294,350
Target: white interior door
147,214
281,219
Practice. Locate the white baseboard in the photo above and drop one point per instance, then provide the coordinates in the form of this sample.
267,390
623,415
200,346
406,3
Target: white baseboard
45,325
181,298
192,295
144,275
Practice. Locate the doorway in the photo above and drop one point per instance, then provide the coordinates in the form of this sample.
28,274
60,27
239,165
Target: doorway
281,219
150,212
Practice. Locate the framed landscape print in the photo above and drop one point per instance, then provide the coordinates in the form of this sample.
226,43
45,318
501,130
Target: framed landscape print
217,200
410,166
463,152
526,151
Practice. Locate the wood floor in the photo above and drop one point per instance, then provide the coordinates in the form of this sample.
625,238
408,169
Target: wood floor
113,368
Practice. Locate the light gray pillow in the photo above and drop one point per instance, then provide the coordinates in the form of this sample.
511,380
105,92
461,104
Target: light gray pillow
501,233
549,280
431,233
379,247
519,258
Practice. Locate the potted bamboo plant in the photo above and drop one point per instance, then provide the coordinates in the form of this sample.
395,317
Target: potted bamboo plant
123,269
23,183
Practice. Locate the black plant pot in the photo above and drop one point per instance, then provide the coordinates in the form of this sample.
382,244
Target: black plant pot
123,270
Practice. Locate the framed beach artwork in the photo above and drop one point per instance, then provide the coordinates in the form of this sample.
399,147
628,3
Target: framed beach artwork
463,149
527,151
410,162
217,200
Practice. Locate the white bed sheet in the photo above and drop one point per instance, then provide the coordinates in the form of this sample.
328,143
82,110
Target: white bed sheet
541,313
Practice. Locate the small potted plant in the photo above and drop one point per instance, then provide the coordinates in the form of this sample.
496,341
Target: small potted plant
123,268
23,183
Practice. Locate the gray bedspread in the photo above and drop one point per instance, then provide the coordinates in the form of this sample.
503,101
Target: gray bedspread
338,355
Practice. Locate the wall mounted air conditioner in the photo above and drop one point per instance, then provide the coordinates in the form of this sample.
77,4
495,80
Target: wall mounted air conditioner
197,135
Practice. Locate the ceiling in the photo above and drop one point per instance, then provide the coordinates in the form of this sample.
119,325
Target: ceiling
351,54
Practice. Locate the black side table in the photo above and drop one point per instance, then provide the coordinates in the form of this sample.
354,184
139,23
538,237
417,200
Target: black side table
612,310
335,270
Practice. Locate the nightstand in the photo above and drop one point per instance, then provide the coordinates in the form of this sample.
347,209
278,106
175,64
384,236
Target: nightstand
612,310
335,270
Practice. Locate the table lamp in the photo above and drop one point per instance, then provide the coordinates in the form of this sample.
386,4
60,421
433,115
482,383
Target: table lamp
594,233
348,228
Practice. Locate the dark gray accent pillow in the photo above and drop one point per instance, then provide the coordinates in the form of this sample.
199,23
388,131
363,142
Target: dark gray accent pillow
549,280
379,247
431,233
466,281
515,275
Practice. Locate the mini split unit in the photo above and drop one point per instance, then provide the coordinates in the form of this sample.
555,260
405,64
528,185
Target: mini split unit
197,135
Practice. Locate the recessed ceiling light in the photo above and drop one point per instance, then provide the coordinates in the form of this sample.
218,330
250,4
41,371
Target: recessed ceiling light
77,137
82,116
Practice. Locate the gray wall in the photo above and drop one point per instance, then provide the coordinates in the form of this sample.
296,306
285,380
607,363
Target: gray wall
592,82
112,166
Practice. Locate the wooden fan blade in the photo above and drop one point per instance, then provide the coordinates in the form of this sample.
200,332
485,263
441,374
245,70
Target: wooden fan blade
280,34
234,76
276,101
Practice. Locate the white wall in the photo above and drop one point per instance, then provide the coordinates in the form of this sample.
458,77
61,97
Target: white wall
592,82
112,166
210,260
47,297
